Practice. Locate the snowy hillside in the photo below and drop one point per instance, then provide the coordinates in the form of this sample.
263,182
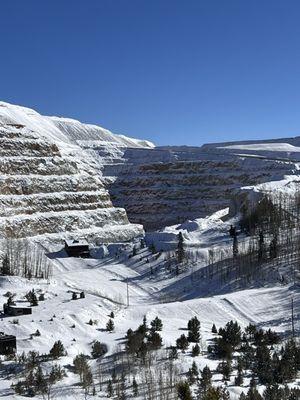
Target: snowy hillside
63,129
48,185
141,316
133,284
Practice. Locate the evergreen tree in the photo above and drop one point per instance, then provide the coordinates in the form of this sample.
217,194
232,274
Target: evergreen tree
40,381
87,379
273,249
261,246
110,326
184,391
180,249
235,246
5,268
182,343
214,329
156,324
193,373
110,389
57,350
195,350
154,340
239,379
145,323
173,354
216,393
98,349
205,380
135,388
263,365
225,369
194,330
273,393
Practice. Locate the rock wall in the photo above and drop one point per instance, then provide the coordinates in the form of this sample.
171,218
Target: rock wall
49,188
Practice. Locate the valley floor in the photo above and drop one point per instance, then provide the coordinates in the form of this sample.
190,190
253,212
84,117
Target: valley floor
107,282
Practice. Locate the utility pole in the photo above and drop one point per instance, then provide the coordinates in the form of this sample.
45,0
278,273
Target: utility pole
127,292
293,324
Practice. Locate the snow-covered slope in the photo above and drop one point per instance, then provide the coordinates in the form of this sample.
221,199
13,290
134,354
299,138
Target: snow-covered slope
48,184
63,129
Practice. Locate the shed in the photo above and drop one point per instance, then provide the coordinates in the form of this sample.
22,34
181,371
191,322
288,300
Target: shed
15,311
8,344
77,248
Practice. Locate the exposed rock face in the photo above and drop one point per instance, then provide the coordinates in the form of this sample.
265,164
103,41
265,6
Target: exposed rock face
58,175
48,184
183,185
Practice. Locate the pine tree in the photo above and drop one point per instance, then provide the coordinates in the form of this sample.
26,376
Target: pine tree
173,354
98,349
261,246
182,343
135,388
195,350
156,324
6,269
180,249
225,369
40,382
194,330
87,379
155,340
193,373
205,379
145,323
235,246
273,249
57,350
110,326
110,389
184,391
263,365
239,379
214,329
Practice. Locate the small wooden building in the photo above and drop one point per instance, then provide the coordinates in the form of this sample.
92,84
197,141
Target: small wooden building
15,311
8,344
77,248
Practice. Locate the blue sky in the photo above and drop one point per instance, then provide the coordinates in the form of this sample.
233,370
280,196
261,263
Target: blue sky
174,72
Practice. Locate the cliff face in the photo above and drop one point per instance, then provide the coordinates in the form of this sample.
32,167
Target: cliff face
61,177
48,183
162,187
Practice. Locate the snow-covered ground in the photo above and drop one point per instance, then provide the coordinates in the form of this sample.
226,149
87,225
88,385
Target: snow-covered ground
110,275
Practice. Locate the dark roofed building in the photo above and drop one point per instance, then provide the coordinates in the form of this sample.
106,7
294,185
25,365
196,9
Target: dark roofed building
8,344
77,248
15,311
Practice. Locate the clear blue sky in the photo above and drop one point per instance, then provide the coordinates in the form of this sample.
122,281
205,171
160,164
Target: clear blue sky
171,71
